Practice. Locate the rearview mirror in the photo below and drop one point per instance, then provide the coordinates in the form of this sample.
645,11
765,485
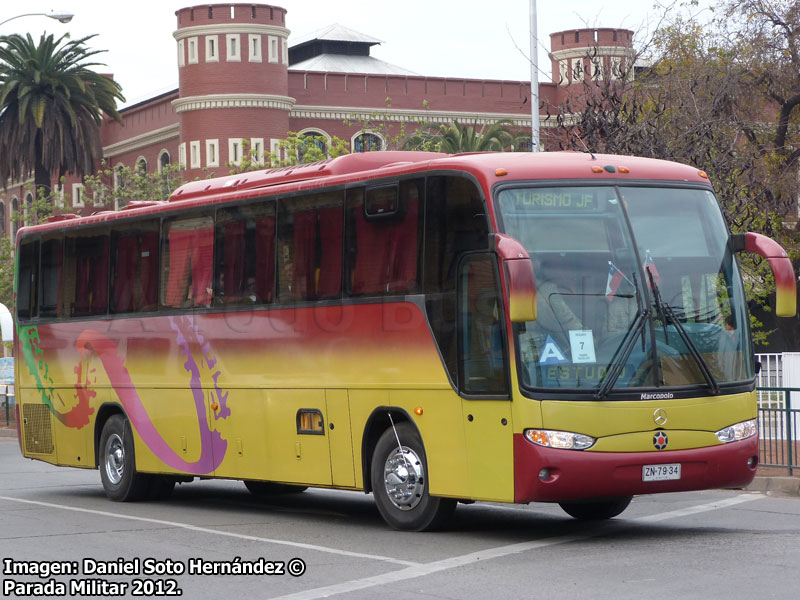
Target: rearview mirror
782,269
521,283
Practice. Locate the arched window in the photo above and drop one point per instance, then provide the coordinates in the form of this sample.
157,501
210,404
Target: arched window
14,216
367,142
141,165
163,160
2,219
29,209
310,138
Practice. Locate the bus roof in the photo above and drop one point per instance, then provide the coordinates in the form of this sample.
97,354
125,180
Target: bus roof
489,168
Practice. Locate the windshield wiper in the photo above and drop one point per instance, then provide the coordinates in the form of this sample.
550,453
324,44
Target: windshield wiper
622,354
668,315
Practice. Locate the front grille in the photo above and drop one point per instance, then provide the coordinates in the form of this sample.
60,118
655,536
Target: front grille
38,429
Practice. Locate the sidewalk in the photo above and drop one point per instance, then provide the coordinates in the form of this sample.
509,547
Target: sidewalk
769,480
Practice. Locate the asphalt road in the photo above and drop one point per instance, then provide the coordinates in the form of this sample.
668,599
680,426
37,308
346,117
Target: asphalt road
716,544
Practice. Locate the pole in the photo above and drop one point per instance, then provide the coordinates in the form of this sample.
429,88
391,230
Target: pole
534,80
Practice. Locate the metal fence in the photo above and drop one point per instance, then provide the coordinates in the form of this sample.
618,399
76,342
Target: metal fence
8,413
779,428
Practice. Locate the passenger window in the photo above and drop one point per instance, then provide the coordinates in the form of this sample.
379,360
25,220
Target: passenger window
383,243
28,277
85,280
134,274
187,261
310,247
245,255
51,278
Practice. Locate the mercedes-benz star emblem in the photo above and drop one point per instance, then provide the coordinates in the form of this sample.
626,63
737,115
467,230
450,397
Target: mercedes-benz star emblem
660,417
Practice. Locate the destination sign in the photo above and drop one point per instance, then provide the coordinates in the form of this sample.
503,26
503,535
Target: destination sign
557,199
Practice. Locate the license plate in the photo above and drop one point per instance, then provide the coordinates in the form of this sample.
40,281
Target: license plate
661,472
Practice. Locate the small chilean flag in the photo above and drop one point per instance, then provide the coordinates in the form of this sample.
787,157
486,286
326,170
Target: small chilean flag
650,266
615,278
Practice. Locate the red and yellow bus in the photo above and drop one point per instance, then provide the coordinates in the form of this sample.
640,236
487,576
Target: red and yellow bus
514,327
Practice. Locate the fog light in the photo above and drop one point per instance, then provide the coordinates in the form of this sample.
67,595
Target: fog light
752,462
544,474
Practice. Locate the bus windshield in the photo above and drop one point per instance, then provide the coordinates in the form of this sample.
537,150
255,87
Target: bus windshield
636,288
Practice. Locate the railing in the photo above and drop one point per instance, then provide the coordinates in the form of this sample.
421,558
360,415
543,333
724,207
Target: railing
7,405
779,428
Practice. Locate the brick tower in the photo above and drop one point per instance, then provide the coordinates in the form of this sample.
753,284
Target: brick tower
581,55
233,83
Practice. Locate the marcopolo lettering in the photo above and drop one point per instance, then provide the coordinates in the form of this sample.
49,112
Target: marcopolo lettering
657,396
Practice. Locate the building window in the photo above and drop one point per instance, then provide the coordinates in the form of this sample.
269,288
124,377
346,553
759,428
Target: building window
597,68
616,67
312,138
254,52
212,48
367,142
2,219
563,72
78,192
181,54
29,207
285,47
141,165
212,153
257,151
14,216
192,42
272,40
234,51
577,70
182,156
163,160
235,151
194,154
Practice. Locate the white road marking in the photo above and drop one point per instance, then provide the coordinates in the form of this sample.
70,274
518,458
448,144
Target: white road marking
466,559
240,536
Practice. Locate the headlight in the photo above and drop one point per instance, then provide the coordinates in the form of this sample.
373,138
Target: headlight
737,432
559,439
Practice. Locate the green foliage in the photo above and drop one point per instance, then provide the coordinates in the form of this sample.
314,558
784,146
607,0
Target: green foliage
455,137
295,149
132,185
51,108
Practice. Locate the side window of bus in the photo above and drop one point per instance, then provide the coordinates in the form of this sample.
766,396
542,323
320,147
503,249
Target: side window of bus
244,250
134,267
84,288
187,255
310,247
384,237
52,258
455,223
28,278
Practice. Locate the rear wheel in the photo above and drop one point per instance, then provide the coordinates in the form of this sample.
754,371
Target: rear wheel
117,462
263,489
596,510
400,483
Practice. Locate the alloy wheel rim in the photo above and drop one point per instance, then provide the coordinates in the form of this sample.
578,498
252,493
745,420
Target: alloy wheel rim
404,478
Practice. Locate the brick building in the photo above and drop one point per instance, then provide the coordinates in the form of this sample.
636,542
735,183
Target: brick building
242,76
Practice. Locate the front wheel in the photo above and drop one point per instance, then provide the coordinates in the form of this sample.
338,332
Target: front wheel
596,510
117,463
400,483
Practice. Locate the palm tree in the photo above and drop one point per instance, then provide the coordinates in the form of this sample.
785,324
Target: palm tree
454,137
51,108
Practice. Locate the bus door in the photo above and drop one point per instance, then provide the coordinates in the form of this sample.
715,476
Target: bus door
483,380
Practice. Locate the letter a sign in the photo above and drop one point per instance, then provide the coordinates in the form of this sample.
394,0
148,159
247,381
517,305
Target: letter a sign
551,353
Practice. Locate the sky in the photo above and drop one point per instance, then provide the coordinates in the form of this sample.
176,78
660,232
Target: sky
487,39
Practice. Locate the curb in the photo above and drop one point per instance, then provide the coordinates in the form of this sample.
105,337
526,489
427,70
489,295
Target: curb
776,486
8,432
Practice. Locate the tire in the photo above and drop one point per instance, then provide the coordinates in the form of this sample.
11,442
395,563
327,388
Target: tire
596,510
264,489
117,463
400,483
